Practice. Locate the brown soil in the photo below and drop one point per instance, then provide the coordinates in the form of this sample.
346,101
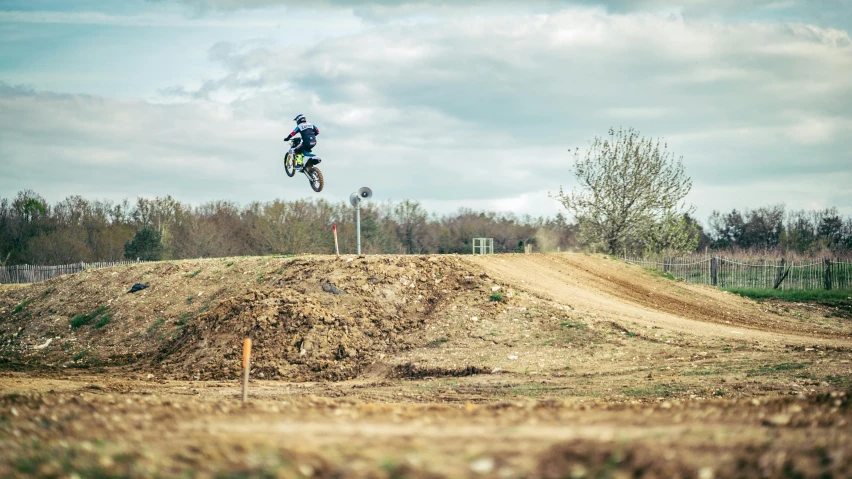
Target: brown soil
611,288
425,366
310,334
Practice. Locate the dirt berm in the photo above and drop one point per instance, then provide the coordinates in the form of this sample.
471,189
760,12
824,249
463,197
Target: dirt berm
328,321
311,318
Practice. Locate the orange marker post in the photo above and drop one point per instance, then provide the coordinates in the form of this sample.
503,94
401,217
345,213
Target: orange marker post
336,248
246,366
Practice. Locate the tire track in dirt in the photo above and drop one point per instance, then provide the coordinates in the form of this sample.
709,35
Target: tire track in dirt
613,290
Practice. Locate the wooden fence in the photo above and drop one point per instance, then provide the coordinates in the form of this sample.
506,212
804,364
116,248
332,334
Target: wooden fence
724,272
26,273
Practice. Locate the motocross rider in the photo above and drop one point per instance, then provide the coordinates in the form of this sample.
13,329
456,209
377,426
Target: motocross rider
308,140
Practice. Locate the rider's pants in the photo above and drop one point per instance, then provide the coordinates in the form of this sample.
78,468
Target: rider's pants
302,147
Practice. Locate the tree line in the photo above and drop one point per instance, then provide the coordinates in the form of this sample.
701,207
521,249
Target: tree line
76,229
775,229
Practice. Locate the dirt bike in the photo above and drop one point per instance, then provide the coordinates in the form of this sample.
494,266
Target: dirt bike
309,167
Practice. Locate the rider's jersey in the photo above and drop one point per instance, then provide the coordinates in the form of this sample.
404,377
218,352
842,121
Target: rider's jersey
308,131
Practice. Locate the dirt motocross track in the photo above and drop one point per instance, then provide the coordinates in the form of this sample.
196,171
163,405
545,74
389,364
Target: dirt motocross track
503,366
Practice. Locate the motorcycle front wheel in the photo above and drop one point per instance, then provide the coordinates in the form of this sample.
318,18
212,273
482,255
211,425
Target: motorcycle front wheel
289,167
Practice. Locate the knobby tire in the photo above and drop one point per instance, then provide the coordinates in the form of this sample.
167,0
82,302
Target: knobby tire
319,183
289,167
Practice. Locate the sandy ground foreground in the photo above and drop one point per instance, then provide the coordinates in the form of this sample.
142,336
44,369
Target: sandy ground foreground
402,366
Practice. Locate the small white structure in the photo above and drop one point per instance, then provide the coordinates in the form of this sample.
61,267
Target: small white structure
483,245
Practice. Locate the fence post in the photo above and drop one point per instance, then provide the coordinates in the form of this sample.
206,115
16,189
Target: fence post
827,273
714,271
780,274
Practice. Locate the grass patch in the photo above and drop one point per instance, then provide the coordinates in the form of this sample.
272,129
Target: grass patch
700,373
84,319
156,326
529,390
660,274
657,390
229,264
82,354
190,299
570,325
21,306
103,321
830,296
497,297
193,274
839,380
184,318
204,307
436,343
768,369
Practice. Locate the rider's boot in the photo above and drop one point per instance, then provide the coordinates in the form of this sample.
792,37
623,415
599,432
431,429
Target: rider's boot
299,158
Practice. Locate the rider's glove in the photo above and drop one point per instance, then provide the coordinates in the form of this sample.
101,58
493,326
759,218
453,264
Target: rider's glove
288,138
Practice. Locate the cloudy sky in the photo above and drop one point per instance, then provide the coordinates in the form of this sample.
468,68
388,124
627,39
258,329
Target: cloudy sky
452,103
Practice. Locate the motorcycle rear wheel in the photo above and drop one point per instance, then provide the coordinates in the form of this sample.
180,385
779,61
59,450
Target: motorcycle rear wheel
315,177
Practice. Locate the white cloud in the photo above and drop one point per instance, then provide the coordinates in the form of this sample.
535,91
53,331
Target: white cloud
813,131
157,19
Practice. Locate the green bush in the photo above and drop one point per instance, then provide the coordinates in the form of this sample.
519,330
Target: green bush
21,306
103,321
84,319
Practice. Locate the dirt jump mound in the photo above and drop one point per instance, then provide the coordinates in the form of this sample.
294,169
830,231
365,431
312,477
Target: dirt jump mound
326,320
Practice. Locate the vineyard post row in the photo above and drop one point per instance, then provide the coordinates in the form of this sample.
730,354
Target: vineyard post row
824,273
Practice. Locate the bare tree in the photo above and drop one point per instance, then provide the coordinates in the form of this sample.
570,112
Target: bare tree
411,218
627,185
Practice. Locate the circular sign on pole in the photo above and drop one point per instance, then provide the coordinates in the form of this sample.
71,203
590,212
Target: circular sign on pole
355,198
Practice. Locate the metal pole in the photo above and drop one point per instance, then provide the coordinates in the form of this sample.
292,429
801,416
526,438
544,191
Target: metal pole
358,223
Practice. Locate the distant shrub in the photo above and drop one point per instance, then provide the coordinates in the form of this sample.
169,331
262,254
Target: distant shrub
21,306
84,319
103,321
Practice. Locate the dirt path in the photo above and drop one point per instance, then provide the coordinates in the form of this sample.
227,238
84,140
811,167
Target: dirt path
612,290
116,428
